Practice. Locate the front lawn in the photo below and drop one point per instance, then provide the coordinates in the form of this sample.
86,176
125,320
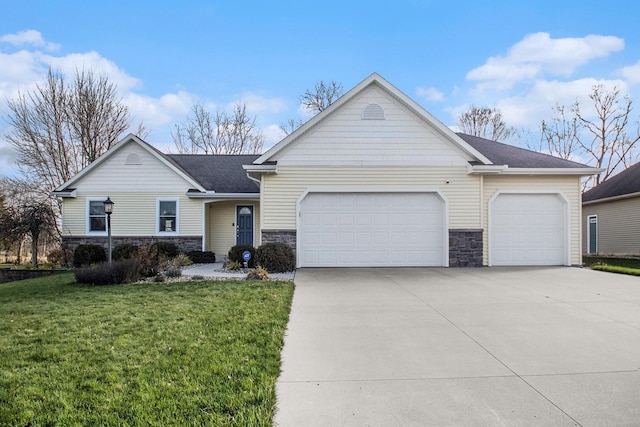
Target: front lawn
186,353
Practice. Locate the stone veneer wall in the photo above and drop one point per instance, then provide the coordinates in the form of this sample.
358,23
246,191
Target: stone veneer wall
282,236
184,243
465,248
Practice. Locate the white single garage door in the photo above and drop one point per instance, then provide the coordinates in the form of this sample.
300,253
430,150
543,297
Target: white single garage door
528,229
371,229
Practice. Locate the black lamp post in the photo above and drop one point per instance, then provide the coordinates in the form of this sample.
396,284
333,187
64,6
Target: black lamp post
108,209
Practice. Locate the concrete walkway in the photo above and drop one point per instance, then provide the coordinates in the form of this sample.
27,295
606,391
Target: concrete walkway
213,271
461,347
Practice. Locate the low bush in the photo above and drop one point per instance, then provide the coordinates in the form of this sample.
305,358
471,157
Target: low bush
124,251
116,273
152,262
174,266
233,265
235,254
166,249
276,257
86,255
200,257
61,257
258,273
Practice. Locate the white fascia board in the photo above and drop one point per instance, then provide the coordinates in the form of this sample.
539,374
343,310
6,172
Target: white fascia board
65,193
486,169
552,171
223,196
506,170
261,168
611,199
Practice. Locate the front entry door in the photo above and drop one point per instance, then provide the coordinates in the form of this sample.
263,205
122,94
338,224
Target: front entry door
244,225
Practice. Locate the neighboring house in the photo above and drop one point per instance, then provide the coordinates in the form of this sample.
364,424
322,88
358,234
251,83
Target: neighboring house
610,217
374,180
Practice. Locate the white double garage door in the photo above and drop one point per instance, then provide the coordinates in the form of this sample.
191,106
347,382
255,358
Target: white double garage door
378,229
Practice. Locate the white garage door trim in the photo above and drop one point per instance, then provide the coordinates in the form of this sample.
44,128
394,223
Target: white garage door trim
445,210
567,215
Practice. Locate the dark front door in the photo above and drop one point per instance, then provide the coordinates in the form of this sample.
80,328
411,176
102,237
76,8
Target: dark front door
244,225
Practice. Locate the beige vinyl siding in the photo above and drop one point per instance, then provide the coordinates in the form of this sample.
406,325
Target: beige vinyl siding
134,214
344,138
221,225
618,226
280,192
116,176
569,186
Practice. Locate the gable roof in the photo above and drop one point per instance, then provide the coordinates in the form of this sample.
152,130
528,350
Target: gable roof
129,139
204,173
626,183
516,157
219,173
374,79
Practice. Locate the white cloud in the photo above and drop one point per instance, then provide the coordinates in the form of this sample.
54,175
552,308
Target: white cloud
531,108
430,94
631,73
28,38
257,103
272,134
538,54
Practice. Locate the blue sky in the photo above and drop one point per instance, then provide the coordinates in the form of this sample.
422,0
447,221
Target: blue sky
521,57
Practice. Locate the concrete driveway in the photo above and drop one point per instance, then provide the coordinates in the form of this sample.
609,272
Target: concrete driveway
461,347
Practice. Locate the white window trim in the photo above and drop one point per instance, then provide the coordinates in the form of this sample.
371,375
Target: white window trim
167,233
589,234
88,217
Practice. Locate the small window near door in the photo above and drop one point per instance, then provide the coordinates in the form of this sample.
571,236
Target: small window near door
592,234
167,216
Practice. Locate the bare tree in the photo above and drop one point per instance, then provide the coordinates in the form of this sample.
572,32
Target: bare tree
560,136
220,133
601,133
35,220
58,129
315,101
485,123
319,98
611,143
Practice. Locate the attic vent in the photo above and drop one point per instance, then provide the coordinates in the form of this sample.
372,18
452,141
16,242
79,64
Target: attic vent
133,159
373,112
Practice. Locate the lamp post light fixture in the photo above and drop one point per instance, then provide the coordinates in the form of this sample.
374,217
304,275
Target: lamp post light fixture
108,209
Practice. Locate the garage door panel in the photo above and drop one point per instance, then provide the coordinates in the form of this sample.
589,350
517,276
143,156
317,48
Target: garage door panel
528,229
372,229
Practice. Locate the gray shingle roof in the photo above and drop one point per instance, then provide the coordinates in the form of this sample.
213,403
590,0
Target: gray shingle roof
219,173
516,157
626,182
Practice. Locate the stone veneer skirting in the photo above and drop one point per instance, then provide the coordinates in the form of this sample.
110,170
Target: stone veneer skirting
184,243
465,248
280,236
465,245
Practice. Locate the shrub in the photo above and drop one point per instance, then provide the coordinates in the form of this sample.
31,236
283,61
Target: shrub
233,265
85,255
199,257
124,251
125,271
60,256
152,262
276,257
235,254
167,249
174,266
258,273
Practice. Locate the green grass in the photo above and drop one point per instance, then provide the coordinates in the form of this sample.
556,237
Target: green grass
614,265
187,353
